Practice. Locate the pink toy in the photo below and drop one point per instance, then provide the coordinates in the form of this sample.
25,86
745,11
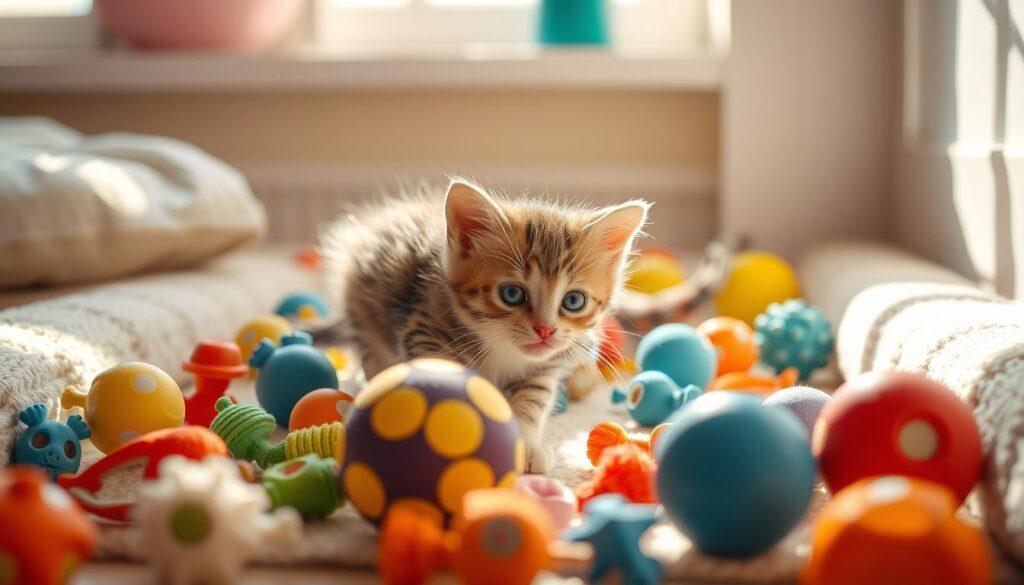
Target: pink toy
552,494
213,365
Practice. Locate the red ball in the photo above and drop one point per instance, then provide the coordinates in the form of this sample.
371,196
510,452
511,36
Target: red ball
898,424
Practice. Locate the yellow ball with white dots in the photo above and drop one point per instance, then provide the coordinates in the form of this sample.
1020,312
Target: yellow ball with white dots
424,433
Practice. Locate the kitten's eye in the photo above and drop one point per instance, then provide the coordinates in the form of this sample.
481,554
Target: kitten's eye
574,301
512,294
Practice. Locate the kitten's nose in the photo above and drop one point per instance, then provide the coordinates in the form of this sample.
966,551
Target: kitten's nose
544,332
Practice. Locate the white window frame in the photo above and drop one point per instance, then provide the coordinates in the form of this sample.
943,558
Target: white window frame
46,31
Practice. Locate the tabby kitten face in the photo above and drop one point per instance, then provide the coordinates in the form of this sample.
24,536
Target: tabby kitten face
530,278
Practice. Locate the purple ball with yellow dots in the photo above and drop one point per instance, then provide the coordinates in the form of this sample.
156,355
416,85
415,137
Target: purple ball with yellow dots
424,433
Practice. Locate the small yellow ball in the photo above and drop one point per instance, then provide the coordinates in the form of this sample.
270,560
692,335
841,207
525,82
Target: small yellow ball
653,272
757,280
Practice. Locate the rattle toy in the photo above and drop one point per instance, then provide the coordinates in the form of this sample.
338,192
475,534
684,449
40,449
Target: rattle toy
45,536
793,335
304,307
908,424
806,403
289,372
213,365
200,522
678,351
652,397
246,429
609,434
270,327
503,539
654,271
150,450
319,407
734,476
744,382
894,529
50,445
733,341
428,430
555,496
126,402
613,528
309,484
757,279
627,470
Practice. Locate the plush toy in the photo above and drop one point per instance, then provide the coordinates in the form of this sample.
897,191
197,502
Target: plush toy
651,397
613,528
806,403
247,428
793,335
756,280
289,372
309,484
609,434
213,365
200,522
319,407
678,351
50,445
627,470
555,496
734,343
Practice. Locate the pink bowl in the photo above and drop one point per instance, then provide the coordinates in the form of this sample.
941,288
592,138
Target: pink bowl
234,25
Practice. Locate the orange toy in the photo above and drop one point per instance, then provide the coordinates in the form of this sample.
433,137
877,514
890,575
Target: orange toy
319,407
894,529
502,539
213,364
626,469
734,342
744,382
192,442
609,434
45,536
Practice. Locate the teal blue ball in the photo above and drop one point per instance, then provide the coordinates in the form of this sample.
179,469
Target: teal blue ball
287,373
793,335
680,352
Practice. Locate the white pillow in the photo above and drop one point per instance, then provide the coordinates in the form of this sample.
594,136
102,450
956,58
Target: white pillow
76,208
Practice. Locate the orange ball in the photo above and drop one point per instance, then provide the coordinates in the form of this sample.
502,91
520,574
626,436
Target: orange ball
894,529
734,342
505,539
325,405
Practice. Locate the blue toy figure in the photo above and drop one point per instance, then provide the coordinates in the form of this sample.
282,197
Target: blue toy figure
289,372
651,397
303,306
793,334
48,444
680,352
613,527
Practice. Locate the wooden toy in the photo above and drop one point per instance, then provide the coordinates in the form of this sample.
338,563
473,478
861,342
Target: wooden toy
734,476
502,539
756,280
793,335
213,365
555,496
50,445
45,536
247,428
898,424
678,351
627,470
270,327
609,434
428,430
200,522
289,372
806,403
893,529
148,450
126,402
651,397
744,382
304,307
613,527
319,407
733,341
309,484
653,272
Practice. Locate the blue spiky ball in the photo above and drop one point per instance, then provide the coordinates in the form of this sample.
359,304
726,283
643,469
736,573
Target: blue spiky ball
793,334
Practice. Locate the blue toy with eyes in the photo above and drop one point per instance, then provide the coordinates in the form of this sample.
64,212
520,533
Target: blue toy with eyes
651,397
48,444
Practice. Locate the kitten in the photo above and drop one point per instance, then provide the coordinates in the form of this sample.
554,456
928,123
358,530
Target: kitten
511,288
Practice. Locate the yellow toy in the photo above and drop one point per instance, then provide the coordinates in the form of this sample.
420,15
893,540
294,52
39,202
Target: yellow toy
654,271
263,327
126,402
757,280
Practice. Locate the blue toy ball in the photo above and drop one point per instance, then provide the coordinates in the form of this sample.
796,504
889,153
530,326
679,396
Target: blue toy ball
48,444
305,306
734,476
651,397
806,403
289,372
793,334
680,352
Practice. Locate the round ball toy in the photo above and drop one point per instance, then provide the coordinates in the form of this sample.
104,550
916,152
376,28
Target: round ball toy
793,335
651,397
303,307
893,529
325,405
896,423
270,327
126,402
427,432
757,279
733,341
651,272
734,476
288,373
678,351
806,403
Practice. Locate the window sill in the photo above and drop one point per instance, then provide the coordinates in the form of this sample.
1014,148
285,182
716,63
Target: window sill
480,68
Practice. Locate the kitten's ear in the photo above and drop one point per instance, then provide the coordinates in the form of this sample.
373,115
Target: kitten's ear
616,226
469,211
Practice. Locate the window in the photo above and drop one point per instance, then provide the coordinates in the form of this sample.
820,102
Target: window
51,24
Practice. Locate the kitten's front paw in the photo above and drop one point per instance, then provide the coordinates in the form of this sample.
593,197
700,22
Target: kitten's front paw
538,458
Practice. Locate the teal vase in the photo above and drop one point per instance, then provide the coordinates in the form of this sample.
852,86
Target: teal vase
573,22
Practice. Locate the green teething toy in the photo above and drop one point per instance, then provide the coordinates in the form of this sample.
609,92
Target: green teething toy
246,429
